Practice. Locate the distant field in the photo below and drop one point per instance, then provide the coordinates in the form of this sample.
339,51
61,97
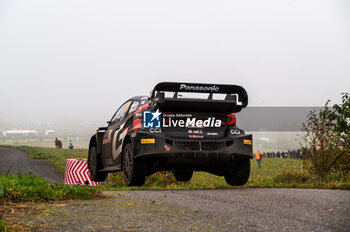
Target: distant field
263,141
46,142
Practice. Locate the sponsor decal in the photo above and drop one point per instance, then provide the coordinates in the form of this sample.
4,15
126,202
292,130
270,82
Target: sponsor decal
147,141
212,133
107,137
151,119
199,88
235,132
167,148
195,131
247,141
138,112
106,140
196,136
155,130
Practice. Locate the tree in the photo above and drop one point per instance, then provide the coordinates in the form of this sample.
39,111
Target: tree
341,115
341,118
326,138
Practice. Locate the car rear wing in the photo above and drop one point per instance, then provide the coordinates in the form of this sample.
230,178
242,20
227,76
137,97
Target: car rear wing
234,97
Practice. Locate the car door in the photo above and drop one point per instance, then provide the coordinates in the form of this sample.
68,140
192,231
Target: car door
111,147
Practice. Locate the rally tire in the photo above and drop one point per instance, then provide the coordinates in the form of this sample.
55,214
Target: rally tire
95,164
239,175
133,170
183,175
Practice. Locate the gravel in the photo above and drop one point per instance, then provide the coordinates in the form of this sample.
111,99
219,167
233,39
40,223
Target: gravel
199,210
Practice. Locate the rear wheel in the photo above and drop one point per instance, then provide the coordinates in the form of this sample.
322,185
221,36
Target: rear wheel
183,175
134,170
240,174
95,164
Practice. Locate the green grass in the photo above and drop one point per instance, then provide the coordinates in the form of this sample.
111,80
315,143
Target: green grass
20,188
3,226
275,173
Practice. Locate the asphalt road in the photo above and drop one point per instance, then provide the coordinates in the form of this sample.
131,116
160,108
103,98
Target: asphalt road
261,209
13,161
197,210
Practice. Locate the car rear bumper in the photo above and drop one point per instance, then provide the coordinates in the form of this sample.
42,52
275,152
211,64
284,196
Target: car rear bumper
222,149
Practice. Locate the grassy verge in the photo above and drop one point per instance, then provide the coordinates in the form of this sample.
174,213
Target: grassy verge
281,177
28,188
275,173
20,188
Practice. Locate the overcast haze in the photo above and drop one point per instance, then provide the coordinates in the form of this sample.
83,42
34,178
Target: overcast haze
79,60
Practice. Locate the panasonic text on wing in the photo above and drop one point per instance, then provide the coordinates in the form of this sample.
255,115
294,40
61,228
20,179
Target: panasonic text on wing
199,88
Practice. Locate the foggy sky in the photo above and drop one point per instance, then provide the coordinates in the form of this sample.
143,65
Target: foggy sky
79,60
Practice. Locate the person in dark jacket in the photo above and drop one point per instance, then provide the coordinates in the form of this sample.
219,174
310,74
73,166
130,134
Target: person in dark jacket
57,143
70,144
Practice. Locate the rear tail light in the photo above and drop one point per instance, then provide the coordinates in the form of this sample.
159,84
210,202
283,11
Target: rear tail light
231,119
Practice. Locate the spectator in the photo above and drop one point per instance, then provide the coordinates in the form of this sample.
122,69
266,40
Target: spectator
70,144
258,158
60,145
289,154
57,143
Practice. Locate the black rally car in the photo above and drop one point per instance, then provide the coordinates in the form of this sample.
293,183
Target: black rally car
181,127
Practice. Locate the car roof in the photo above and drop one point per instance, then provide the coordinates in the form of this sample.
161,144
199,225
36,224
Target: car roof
139,98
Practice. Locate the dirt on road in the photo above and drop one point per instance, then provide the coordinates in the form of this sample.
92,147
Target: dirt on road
194,210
